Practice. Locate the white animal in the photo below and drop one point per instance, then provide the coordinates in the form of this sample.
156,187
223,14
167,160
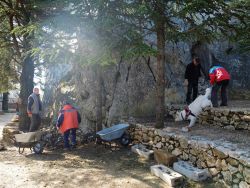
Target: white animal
194,109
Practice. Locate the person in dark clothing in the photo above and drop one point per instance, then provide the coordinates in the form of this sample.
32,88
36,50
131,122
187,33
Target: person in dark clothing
34,109
67,123
192,74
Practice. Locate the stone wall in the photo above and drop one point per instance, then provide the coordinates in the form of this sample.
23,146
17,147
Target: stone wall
229,118
221,159
9,131
233,119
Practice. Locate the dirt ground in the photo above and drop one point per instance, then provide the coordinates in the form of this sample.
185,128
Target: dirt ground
87,166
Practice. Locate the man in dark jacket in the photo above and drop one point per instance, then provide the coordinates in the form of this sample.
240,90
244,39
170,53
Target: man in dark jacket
192,74
34,109
67,123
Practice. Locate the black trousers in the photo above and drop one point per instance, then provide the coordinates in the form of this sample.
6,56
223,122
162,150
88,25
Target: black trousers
214,97
191,88
35,122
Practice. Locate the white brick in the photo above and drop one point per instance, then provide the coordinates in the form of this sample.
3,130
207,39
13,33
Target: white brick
191,172
142,151
171,177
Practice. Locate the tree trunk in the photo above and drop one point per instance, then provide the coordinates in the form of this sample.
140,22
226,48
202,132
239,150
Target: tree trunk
5,103
99,98
26,82
160,77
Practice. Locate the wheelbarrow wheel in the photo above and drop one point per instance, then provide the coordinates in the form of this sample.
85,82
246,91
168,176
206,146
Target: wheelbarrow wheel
38,148
125,139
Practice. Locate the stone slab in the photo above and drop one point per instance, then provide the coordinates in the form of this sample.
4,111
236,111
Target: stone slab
190,171
169,176
142,151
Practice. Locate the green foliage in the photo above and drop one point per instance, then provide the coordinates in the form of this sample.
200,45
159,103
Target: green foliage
242,36
26,30
105,30
122,26
7,72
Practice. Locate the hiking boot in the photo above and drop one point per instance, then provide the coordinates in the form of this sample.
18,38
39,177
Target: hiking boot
215,105
223,104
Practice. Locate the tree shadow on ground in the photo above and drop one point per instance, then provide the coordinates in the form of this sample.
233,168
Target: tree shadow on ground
46,156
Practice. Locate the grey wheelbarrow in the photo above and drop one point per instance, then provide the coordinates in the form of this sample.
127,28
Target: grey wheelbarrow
114,133
29,140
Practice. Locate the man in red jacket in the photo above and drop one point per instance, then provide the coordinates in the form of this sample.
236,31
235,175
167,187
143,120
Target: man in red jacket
219,78
67,123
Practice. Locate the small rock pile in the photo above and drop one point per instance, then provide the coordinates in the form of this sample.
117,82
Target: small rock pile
224,161
8,132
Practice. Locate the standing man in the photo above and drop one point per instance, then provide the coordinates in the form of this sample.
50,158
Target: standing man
192,74
67,123
34,110
219,78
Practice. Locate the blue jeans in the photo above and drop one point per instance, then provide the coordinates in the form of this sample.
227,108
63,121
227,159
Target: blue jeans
66,138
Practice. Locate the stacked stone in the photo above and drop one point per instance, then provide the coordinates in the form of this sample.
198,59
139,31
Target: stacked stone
8,132
172,109
223,165
234,119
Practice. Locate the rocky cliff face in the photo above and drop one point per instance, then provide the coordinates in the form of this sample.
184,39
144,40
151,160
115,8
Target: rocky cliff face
128,88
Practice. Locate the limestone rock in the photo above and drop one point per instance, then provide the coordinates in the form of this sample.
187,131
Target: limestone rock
193,159
236,180
183,143
221,165
219,154
184,156
176,152
244,185
239,176
232,169
210,161
232,162
213,171
246,174
235,186
241,168
158,145
246,118
227,177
